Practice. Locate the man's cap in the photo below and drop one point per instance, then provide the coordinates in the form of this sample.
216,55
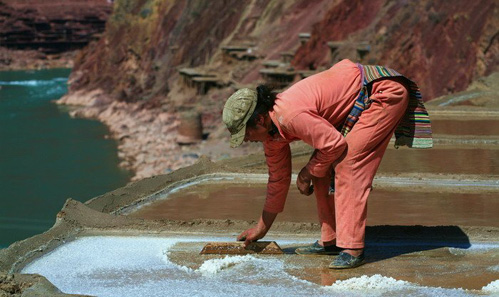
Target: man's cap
237,111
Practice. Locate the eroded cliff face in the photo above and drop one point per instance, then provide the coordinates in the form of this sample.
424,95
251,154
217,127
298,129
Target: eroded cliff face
440,44
443,45
158,58
146,41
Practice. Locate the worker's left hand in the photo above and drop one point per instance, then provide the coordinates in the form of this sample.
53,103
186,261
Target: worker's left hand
252,234
303,182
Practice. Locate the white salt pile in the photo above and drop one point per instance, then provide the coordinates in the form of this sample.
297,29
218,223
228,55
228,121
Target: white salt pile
214,266
141,266
492,288
378,285
371,284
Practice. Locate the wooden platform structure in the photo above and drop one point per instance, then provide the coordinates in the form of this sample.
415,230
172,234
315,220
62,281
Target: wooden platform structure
271,63
199,79
239,52
304,37
279,77
334,46
363,48
287,57
279,73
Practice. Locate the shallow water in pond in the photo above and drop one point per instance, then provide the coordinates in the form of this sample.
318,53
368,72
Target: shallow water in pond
465,127
245,202
446,160
172,266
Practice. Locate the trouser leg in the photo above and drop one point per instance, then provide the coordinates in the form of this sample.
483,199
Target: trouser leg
367,143
325,208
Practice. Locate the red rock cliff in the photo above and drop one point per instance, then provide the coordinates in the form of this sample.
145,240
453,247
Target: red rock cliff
443,45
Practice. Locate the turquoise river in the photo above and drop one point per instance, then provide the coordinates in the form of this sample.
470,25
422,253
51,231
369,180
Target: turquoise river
46,156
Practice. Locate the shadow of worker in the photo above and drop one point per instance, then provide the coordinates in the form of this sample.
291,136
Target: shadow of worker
383,242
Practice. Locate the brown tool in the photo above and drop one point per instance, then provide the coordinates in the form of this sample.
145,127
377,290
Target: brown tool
237,248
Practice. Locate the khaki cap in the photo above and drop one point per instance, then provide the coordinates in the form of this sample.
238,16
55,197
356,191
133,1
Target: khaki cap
237,111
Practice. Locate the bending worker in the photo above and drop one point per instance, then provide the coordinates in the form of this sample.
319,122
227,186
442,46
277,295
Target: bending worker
348,113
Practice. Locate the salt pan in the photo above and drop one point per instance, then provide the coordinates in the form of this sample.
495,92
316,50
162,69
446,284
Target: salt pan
141,266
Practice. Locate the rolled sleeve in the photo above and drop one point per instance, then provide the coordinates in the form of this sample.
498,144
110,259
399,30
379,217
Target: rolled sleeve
320,134
278,157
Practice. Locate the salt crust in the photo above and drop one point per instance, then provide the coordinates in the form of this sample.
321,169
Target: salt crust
378,285
214,266
369,283
494,268
492,288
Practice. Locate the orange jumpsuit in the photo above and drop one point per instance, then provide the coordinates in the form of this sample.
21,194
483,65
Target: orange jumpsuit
313,110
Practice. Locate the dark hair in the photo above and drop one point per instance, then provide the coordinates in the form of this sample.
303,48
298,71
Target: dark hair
265,102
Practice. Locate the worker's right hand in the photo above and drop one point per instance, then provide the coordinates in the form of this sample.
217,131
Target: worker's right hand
259,231
303,182
252,234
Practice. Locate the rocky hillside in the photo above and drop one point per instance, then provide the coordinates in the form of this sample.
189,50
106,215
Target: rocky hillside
443,45
158,58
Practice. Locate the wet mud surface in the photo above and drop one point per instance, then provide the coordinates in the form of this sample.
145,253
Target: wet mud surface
245,202
441,159
465,127
441,266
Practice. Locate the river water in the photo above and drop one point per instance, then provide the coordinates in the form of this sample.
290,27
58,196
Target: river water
45,155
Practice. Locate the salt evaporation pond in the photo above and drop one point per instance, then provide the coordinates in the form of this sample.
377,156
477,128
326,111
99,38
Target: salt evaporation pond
242,201
440,159
153,266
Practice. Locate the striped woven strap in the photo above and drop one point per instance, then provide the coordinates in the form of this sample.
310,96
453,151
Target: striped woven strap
374,72
360,104
414,129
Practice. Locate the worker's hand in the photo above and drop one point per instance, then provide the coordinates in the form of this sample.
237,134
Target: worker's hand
303,182
259,231
252,234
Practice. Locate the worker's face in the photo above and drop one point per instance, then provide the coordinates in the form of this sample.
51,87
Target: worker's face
259,133
256,134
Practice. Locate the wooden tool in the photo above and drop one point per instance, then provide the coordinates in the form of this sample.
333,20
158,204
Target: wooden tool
237,248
